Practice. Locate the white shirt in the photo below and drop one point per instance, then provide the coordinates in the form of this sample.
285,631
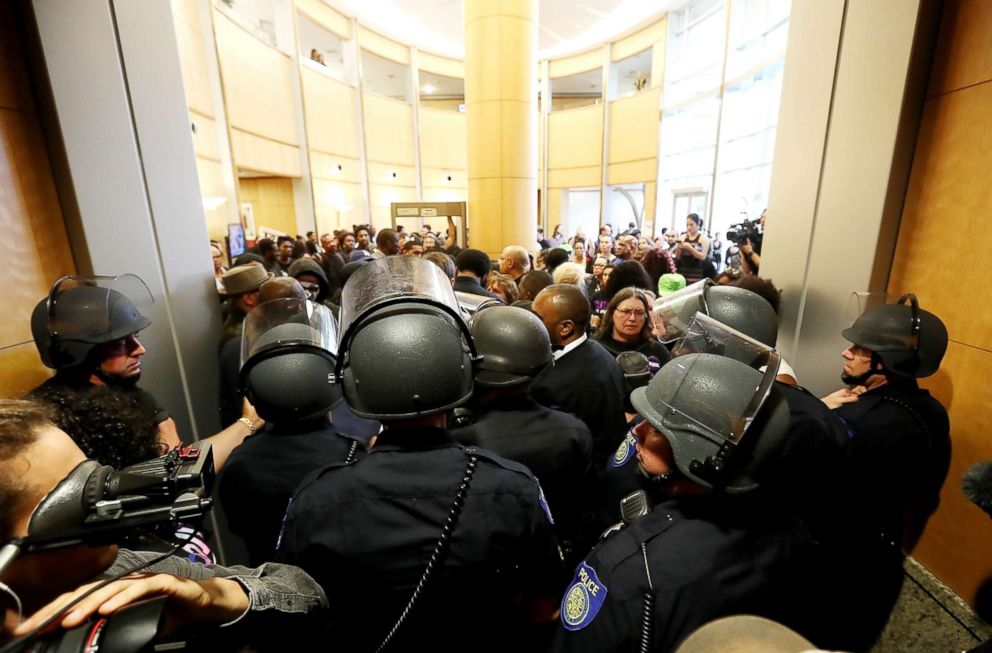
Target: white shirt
570,346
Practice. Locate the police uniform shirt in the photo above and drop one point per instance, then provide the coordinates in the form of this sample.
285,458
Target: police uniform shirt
366,531
587,383
555,446
709,557
262,473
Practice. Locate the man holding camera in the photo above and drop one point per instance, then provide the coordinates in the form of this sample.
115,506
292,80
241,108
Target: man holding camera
35,458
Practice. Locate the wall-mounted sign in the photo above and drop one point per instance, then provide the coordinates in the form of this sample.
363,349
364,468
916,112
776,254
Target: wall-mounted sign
407,212
428,212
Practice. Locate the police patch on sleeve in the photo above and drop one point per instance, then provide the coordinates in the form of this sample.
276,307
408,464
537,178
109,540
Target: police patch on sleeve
625,451
583,599
544,503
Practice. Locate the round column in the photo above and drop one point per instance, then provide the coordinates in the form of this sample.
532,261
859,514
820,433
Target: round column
501,103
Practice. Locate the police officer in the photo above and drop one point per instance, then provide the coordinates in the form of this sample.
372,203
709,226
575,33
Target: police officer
714,543
287,371
421,544
555,446
898,452
87,331
738,308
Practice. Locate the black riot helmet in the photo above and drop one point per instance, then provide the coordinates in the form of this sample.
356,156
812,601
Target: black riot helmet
514,346
288,356
906,339
724,420
81,313
405,350
741,309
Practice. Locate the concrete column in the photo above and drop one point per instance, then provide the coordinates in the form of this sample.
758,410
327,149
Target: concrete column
855,76
501,102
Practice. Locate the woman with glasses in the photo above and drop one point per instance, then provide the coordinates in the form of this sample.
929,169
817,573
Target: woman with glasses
628,324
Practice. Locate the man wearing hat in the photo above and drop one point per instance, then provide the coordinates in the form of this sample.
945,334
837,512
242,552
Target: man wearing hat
240,285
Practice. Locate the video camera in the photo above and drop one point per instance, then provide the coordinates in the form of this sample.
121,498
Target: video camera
97,505
744,231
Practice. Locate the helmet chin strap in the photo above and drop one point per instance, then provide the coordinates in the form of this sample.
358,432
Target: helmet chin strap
876,368
115,380
656,479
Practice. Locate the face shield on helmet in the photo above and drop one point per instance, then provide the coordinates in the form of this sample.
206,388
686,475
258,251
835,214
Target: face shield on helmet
708,400
739,308
83,312
673,313
405,349
906,339
471,304
288,356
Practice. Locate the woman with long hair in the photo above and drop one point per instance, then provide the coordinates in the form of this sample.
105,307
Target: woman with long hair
692,250
627,326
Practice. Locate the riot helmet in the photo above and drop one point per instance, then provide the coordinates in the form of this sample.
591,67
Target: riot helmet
723,417
907,340
81,313
288,357
741,309
513,344
405,350
637,372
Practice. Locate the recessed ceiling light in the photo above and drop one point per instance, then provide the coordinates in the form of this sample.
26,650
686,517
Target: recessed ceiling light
427,89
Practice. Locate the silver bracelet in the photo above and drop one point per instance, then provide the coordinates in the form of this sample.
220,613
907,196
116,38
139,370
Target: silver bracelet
247,422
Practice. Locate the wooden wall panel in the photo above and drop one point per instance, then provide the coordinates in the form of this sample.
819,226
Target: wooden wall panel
337,204
332,117
22,370
30,220
388,131
258,88
948,210
443,139
36,246
575,138
958,538
575,177
319,12
193,55
433,63
950,187
640,40
964,48
634,124
325,166
272,202
259,154
632,172
575,64
382,46
15,91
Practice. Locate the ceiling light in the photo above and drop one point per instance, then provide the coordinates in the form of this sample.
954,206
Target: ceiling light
427,89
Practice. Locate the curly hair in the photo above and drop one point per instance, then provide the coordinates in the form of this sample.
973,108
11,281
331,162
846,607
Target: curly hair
20,422
627,274
111,426
503,283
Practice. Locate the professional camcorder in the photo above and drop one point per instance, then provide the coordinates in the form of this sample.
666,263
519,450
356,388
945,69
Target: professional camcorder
744,231
97,505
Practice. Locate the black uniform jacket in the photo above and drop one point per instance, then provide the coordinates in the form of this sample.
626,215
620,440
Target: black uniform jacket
366,531
472,286
262,474
587,383
709,557
555,446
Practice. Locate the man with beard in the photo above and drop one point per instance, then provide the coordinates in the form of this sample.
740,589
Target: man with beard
89,335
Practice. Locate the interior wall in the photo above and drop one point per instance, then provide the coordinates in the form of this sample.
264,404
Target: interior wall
949,202
35,240
272,202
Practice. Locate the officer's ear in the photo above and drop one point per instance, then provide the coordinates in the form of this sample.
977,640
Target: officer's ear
566,328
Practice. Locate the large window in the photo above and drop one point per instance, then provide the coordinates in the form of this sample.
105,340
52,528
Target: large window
723,83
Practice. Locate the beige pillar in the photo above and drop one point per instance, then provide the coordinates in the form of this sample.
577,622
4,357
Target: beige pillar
501,103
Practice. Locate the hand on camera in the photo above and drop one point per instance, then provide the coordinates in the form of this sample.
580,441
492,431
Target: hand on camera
217,600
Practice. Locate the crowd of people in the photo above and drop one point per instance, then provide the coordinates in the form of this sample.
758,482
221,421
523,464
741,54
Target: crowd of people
590,446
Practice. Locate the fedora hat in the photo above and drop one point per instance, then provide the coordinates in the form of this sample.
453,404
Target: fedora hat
242,279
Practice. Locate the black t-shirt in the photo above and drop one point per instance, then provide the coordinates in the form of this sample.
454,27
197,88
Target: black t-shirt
655,351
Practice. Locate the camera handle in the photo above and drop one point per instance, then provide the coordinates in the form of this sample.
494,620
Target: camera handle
440,549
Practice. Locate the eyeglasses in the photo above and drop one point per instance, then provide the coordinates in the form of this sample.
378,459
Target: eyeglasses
626,313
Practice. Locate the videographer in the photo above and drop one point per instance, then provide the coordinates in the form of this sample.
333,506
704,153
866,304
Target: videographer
35,458
747,236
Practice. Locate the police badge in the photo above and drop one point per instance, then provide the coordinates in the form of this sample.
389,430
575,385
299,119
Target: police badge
583,599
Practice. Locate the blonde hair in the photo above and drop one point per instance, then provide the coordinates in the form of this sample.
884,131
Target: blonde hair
571,272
